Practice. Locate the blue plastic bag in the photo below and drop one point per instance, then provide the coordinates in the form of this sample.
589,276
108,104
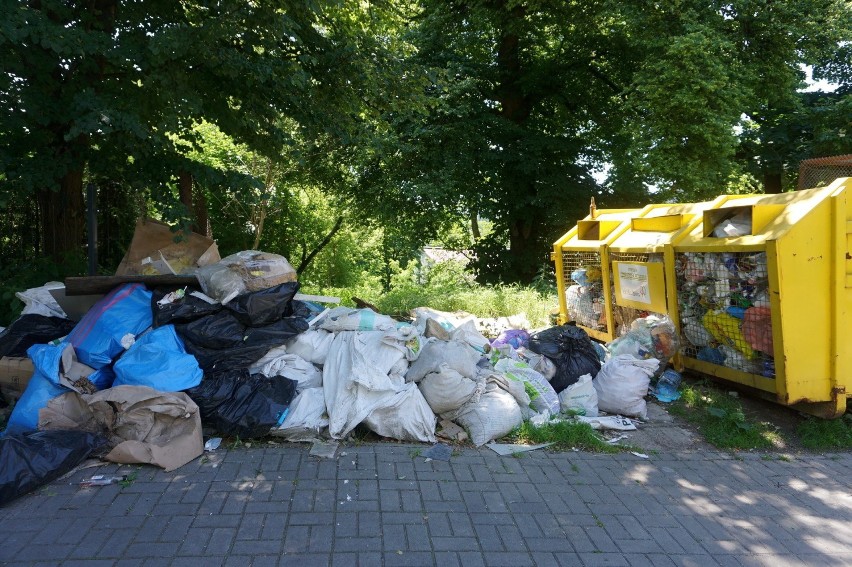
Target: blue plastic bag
42,387
160,361
97,337
102,378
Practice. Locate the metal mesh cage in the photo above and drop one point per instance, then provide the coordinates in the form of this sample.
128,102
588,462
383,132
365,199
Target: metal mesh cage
584,293
818,172
725,317
624,316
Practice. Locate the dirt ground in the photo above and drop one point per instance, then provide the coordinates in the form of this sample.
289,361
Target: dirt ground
666,432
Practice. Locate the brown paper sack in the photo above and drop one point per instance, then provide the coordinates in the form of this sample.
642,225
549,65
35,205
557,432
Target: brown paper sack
143,425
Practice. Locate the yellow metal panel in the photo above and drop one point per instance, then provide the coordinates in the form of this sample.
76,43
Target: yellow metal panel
841,289
796,205
596,229
731,374
659,225
803,305
665,223
762,215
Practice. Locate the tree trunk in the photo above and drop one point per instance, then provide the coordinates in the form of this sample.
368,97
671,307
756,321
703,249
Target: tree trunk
62,217
772,182
474,225
195,203
519,186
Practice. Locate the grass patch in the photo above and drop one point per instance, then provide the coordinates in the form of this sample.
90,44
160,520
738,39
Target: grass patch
482,301
822,434
721,420
564,435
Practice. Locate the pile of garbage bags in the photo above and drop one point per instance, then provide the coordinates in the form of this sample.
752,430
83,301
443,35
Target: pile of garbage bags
146,369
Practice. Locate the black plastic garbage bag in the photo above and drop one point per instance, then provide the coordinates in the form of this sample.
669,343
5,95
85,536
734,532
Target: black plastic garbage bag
571,350
235,403
300,309
265,306
276,333
184,310
218,331
214,360
29,330
30,460
255,343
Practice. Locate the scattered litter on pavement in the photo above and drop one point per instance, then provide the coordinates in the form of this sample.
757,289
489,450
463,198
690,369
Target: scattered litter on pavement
615,422
438,452
325,449
615,440
212,444
102,480
640,455
506,449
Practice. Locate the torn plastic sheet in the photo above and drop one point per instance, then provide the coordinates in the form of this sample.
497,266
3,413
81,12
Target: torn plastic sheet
506,449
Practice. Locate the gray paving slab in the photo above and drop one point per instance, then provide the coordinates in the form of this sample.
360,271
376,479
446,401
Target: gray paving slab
384,504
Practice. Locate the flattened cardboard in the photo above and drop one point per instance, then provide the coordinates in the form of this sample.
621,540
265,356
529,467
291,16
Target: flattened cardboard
15,374
153,251
144,425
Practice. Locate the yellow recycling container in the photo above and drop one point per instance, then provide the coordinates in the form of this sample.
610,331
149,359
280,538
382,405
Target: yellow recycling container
641,260
764,294
582,271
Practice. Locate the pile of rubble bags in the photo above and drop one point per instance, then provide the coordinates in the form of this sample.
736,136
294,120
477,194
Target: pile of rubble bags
143,370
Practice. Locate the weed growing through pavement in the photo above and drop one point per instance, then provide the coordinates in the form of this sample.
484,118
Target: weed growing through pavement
128,480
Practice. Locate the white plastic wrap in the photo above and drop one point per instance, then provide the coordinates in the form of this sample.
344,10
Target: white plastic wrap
306,418
243,272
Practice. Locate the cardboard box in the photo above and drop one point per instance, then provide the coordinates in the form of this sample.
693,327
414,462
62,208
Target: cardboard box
154,251
15,374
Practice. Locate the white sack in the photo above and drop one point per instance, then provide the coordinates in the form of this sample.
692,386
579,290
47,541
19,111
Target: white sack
306,416
580,398
469,334
516,389
447,390
542,395
448,321
453,354
348,319
277,363
312,345
357,376
622,385
406,416
493,415
540,364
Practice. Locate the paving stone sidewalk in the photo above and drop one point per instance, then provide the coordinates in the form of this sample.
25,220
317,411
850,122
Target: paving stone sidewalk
384,504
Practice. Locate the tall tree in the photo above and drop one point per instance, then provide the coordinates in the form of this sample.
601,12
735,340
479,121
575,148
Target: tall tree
110,88
533,97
